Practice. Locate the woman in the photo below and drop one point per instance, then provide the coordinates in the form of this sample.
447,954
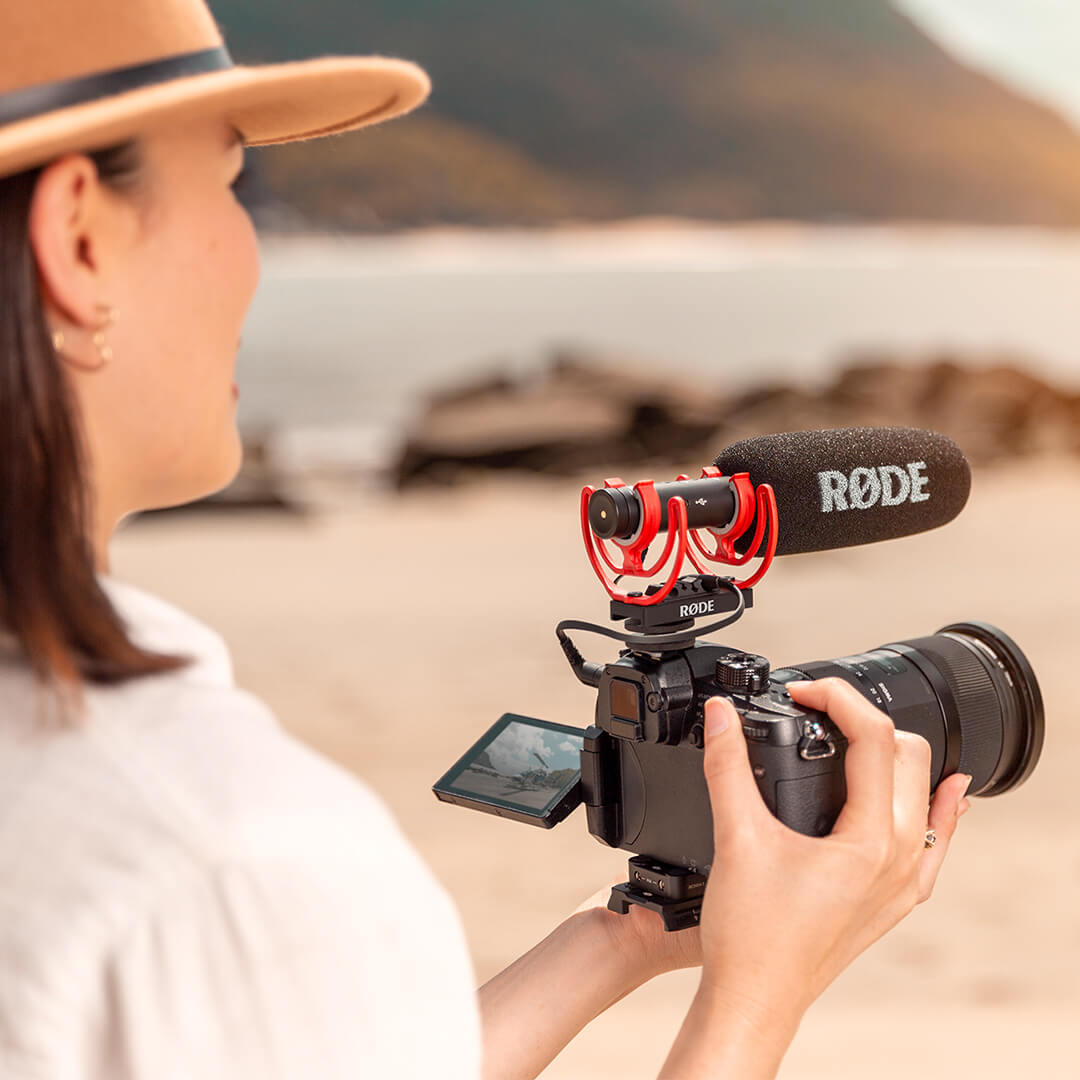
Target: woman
187,891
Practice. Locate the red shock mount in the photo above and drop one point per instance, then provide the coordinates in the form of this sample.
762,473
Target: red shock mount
700,546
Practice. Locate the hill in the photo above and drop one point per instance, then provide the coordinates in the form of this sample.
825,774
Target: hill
722,109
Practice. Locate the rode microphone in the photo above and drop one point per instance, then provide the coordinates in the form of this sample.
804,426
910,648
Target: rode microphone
837,489
773,495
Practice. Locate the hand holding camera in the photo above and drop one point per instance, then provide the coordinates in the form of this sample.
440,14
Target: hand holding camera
785,914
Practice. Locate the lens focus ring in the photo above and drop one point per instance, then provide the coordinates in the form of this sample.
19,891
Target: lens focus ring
977,702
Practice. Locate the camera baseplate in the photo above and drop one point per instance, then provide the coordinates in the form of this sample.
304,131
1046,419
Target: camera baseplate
673,892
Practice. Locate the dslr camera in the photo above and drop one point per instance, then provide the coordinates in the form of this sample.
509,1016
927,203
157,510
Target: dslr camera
967,689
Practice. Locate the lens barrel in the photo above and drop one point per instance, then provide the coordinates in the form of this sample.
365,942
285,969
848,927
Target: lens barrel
968,690
999,706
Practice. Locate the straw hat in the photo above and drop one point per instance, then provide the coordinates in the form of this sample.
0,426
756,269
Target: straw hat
82,74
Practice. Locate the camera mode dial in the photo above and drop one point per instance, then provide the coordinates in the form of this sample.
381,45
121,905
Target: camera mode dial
743,673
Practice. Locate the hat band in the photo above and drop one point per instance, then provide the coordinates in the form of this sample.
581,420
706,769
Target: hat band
35,100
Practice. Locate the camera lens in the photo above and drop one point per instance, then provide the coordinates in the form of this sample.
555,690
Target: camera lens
968,690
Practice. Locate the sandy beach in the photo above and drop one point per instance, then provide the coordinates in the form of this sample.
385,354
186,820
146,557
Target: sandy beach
390,632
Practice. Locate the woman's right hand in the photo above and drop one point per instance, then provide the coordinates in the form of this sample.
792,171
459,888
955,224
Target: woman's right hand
784,913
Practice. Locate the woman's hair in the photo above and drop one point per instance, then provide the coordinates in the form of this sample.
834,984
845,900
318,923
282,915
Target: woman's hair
50,598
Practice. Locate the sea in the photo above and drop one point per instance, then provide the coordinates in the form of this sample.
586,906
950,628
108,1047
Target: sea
347,335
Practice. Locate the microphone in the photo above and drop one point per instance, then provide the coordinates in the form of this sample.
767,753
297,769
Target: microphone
851,486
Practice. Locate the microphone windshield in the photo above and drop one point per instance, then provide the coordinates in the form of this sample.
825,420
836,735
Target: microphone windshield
837,489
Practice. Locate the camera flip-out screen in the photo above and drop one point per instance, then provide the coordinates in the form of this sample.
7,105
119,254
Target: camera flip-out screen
524,769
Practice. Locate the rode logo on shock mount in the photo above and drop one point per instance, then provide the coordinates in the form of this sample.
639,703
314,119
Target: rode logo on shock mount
696,608
862,488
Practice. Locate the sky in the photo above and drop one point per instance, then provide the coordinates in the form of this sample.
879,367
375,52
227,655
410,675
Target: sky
512,752
1034,44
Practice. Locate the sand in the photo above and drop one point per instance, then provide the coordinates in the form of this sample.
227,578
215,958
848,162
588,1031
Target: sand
389,633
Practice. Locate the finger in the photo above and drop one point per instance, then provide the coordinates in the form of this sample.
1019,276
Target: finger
869,763
737,804
944,814
911,791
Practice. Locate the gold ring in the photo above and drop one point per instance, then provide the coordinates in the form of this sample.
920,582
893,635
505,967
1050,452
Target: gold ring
931,839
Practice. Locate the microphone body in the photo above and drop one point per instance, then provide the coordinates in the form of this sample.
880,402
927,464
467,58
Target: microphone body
851,486
615,513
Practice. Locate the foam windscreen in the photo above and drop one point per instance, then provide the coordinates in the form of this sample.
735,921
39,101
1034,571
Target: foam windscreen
852,486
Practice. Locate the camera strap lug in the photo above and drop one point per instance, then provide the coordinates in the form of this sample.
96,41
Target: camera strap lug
816,743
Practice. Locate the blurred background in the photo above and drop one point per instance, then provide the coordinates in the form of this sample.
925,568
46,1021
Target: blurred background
621,235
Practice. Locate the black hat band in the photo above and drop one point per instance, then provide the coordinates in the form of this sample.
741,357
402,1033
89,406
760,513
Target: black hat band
37,100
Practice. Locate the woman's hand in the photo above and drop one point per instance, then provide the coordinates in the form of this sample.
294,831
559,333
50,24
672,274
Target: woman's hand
785,913
588,962
639,937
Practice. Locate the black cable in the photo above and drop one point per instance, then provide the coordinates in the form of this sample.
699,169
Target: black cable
589,673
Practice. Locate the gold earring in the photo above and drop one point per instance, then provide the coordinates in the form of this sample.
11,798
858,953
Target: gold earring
103,348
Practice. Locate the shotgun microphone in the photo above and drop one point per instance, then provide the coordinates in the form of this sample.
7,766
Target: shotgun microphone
837,489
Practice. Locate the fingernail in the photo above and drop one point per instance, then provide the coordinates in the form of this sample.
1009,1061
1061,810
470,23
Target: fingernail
966,786
796,683
717,717
965,806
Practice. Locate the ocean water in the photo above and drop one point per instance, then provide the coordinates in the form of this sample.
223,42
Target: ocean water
345,336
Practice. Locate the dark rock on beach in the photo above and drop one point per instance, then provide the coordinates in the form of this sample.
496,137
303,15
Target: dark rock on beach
586,413
576,414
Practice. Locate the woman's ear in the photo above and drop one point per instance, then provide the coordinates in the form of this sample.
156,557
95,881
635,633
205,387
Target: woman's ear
74,227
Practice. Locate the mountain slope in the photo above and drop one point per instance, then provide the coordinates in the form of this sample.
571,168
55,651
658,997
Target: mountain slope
725,109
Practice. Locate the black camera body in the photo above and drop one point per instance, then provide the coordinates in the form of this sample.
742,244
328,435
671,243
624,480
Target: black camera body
968,690
642,777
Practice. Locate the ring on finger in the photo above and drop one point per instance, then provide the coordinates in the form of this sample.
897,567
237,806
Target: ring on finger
930,839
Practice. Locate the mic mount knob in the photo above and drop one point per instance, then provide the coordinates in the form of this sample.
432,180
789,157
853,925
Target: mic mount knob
743,673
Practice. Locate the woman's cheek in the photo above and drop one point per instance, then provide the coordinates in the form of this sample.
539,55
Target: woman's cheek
247,248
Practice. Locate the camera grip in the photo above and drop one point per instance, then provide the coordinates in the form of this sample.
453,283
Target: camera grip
806,795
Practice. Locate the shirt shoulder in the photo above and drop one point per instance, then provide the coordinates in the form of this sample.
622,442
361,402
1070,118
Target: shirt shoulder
226,884
157,625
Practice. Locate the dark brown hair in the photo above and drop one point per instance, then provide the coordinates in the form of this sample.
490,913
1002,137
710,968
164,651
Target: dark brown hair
50,598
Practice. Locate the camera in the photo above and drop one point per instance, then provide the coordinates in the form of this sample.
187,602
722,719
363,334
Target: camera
967,689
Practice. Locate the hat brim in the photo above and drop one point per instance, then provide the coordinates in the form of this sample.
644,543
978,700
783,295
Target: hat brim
271,103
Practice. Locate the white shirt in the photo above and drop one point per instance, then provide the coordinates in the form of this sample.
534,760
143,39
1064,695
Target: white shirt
188,892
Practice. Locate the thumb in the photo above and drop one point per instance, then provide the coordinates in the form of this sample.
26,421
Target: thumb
733,791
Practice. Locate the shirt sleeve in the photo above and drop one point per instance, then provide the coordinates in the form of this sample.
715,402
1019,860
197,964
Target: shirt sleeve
286,967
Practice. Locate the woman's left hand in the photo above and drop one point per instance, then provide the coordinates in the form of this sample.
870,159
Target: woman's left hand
588,962
639,936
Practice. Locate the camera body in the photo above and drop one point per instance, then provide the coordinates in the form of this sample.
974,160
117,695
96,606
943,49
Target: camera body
642,776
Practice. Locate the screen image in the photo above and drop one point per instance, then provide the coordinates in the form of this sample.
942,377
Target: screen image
530,766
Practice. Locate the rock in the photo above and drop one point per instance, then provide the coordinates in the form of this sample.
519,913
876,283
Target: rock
586,413
994,410
574,415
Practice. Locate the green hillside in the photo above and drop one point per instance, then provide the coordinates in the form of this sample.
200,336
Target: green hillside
725,109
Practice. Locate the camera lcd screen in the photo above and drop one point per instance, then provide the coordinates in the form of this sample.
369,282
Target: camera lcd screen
522,768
